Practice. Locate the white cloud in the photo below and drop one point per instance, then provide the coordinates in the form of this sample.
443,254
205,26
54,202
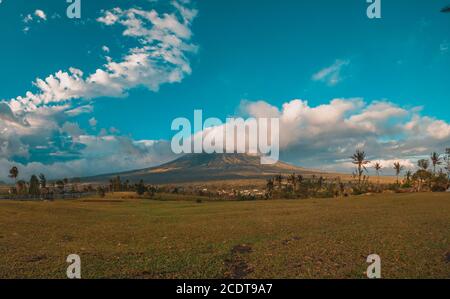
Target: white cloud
160,58
331,75
28,18
105,49
109,18
40,14
80,110
119,154
325,136
444,47
420,126
388,165
38,127
93,122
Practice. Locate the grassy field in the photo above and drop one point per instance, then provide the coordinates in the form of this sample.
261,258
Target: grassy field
326,238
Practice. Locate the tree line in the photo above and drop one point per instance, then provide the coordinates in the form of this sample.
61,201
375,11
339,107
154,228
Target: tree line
432,174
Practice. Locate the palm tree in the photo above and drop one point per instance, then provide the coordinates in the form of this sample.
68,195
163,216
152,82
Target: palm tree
378,168
436,159
423,164
398,169
14,173
34,185
408,176
359,159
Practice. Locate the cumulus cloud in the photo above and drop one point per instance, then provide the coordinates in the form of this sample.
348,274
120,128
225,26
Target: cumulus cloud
98,155
40,14
387,165
331,75
326,135
85,109
37,130
7,115
161,57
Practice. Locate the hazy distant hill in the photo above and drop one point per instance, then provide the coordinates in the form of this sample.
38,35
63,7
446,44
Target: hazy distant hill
205,167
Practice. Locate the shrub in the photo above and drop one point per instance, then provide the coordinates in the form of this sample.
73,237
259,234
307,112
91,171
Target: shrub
439,183
140,188
101,192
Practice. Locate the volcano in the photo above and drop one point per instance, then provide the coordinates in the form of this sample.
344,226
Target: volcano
205,167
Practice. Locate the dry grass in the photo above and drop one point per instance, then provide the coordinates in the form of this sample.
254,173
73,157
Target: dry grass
133,238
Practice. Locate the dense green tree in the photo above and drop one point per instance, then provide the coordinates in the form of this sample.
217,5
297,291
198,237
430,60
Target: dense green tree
422,176
34,185
439,182
423,164
140,188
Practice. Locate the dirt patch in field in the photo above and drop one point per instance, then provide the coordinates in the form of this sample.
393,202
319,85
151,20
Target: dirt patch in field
35,258
241,249
236,266
288,241
103,200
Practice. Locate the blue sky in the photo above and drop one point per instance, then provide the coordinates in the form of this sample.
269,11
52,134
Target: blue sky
267,51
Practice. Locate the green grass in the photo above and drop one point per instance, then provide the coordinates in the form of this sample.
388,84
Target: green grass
326,238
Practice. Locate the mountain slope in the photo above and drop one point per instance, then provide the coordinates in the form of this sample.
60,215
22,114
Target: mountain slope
205,167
